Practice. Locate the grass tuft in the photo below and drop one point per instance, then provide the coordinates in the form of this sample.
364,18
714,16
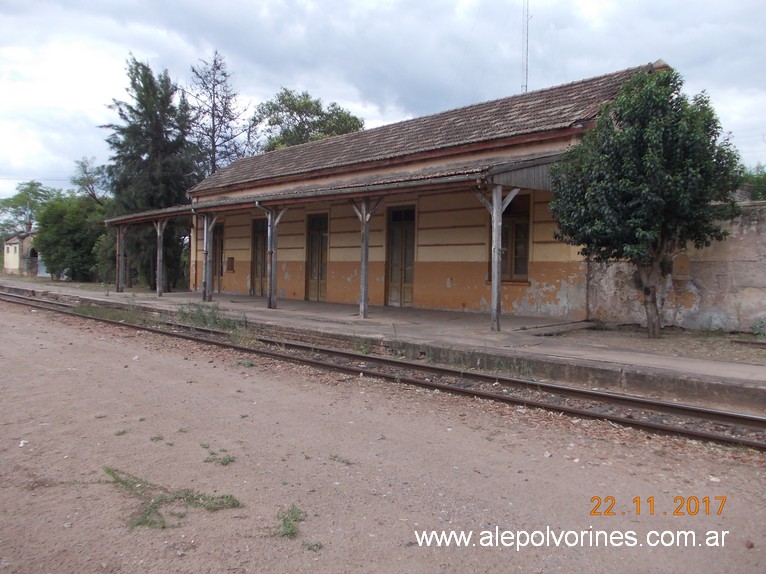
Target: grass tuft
290,520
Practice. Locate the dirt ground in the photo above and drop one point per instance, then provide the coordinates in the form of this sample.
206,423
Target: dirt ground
368,463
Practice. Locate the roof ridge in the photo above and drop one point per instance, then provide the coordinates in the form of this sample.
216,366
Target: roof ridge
536,92
476,105
544,110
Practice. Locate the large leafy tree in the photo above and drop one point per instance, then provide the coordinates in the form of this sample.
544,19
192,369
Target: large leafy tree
293,118
154,161
70,225
219,125
652,176
19,212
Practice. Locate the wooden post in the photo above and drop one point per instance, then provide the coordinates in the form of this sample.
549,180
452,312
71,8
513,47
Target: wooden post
205,247
117,259
207,264
496,209
364,212
497,228
159,226
120,263
271,302
273,217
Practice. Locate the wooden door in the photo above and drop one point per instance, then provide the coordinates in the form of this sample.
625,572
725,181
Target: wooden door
400,276
316,264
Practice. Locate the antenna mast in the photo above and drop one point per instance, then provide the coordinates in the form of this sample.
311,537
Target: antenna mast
525,46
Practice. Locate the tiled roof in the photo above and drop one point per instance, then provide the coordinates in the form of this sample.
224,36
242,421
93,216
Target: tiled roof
540,111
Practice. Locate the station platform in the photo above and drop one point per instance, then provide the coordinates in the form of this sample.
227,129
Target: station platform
526,346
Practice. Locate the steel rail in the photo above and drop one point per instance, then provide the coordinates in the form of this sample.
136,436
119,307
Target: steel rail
701,413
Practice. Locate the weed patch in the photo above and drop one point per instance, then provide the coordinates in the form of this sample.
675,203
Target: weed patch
209,316
216,457
290,520
337,458
131,316
154,497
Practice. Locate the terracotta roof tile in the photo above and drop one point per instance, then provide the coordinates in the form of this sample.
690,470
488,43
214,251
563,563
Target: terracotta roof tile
559,107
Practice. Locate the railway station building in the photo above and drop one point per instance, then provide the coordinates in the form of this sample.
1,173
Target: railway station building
448,211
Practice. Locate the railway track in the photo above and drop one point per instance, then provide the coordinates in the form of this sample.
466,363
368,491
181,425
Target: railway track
648,414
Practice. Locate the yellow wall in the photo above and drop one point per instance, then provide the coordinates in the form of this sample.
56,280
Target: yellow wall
452,246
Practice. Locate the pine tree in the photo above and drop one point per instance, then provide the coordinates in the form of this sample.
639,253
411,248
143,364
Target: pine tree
219,126
154,161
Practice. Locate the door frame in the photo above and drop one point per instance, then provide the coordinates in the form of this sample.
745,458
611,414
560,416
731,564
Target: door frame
321,294
263,278
392,208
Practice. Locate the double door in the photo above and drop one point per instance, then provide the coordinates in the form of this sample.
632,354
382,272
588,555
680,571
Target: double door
316,257
400,264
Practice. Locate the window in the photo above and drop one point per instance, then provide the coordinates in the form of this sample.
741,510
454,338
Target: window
515,240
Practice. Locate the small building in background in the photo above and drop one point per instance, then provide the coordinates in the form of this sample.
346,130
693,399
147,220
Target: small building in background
21,258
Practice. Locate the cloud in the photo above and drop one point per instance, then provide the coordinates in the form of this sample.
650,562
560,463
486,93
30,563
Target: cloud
386,60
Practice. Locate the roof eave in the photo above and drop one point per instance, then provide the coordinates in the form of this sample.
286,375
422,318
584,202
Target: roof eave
487,145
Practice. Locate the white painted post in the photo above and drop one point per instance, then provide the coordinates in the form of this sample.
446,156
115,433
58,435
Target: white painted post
205,247
497,223
496,209
273,217
364,213
207,262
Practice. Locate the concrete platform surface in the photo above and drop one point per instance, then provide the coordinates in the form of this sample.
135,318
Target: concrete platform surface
464,339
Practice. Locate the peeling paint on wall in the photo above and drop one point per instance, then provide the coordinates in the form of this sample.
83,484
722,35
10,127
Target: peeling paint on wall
720,287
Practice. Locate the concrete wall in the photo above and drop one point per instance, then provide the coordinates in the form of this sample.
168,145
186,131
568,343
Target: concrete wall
720,287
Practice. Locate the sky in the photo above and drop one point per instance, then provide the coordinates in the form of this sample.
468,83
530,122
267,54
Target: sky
63,62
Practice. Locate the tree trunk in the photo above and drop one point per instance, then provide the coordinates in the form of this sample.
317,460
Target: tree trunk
649,278
653,326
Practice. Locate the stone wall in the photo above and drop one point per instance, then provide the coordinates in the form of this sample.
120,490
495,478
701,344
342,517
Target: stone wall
720,287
